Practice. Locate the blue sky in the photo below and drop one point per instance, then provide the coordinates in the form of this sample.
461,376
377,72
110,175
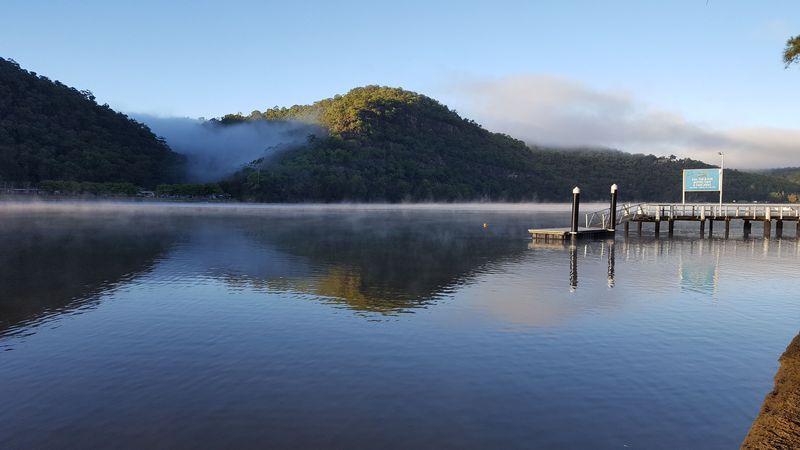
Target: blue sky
714,65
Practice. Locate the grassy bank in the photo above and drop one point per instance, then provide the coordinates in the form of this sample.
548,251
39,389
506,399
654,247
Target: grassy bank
778,424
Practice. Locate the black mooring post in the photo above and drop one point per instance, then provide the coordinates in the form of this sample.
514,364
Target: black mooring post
613,226
576,198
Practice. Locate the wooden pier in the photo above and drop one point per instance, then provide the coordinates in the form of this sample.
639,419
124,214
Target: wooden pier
743,214
561,234
603,223
575,231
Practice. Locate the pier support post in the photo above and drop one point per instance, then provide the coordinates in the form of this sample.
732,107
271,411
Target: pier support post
747,228
778,228
671,227
797,230
710,228
576,199
658,228
767,228
727,228
703,228
627,228
639,227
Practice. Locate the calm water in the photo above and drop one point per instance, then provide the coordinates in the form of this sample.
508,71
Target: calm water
405,328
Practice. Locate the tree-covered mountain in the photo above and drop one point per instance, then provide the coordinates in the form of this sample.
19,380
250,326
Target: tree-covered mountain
388,144
649,177
49,131
378,144
789,173
391,145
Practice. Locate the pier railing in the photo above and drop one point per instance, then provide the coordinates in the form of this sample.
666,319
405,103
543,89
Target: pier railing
692,211
602,218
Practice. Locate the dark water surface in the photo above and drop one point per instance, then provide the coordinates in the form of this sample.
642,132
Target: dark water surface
189,327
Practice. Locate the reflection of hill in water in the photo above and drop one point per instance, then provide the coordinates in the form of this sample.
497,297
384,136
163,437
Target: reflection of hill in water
373,263
51,264
341,285
377,262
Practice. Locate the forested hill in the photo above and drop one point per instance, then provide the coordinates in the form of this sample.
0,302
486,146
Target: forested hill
49,131
382,144
388,144
789,173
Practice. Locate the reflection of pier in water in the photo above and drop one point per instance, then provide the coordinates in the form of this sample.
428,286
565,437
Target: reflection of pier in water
606,248
698,260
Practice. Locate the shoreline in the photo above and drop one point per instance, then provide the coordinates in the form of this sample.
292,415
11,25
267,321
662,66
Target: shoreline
32,204
778,422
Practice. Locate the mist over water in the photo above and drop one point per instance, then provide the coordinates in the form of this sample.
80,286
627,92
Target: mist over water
214,150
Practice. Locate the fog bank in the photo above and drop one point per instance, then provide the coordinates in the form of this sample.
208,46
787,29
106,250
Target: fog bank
557,111
215,151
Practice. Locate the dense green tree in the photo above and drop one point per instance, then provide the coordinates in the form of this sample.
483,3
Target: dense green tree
791,54
388,144
378,144
189,190
49,131
88,187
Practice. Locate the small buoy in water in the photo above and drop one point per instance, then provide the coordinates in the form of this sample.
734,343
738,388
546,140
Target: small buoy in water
486,225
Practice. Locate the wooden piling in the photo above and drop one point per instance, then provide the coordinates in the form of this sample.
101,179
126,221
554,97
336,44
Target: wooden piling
627,227
671,227
727,228
710,227
657,228
778,228
703,228
639,227
747,228
767,228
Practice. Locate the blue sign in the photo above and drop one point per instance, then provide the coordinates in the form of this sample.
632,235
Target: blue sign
701,180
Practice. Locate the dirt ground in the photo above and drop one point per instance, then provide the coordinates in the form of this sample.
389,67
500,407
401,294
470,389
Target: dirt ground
778,424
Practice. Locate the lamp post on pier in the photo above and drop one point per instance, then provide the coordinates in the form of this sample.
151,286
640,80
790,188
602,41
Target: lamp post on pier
721,172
